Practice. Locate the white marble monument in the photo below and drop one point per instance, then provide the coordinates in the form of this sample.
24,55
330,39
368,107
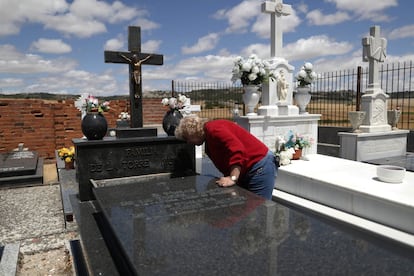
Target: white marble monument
277,115
376,139
374,101
272,102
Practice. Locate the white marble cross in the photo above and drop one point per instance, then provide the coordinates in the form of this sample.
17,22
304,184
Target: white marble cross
374,51
277,9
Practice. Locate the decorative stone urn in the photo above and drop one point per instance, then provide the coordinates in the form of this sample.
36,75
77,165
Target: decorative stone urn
393,118
356,118
302,98
251,98
94,126
171,120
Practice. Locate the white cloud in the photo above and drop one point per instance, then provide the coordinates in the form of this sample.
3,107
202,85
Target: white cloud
315,46
82,18
114,44
9,28
209,67
14,13
342,62
12,61
239,17
368,9
301,7
203,44
316,17
261,50
74,81
94,9
262,25
402,32
73,25
364,6
51,46
303,49
151,46
10,82
146,24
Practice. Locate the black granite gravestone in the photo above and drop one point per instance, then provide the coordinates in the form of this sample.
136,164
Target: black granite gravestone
127,132
190,226
21,167
111,158
18,163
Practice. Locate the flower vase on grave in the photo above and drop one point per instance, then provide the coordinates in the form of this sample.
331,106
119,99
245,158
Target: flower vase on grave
356,118
302,98
70,165
171,120
297,154
94,126
251,98
393,118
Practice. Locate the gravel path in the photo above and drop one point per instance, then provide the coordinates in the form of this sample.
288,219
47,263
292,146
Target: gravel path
33,217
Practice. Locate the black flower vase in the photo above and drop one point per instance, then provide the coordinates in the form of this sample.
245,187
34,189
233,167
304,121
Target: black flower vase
171,120
94,126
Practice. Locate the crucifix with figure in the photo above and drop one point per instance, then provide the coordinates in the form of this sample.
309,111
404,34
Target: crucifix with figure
135,59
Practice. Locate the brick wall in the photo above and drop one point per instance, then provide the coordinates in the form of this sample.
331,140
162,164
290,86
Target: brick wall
47,125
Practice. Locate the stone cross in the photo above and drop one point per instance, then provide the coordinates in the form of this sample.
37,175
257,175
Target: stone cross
374,51
277,9
135,59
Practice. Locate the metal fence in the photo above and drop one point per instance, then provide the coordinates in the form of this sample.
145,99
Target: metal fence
334,94
218,100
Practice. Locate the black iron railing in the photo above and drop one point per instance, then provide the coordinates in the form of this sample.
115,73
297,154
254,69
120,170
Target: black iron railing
334,94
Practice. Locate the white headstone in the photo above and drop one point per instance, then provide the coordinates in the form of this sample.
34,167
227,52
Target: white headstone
277,9
374,51
374,101
272,103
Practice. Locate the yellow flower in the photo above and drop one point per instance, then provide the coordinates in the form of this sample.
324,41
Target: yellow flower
67,154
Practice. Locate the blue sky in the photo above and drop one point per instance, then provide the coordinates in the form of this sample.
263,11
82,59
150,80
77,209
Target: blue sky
57,46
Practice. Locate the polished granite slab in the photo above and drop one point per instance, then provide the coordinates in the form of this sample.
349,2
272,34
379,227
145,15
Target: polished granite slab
406,161
190,226
112,157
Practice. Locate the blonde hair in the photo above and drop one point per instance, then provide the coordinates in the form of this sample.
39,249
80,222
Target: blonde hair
190,126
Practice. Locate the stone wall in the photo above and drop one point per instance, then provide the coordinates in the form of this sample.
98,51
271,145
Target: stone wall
47,125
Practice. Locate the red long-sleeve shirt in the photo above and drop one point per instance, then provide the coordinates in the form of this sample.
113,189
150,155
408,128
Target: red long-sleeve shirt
228,144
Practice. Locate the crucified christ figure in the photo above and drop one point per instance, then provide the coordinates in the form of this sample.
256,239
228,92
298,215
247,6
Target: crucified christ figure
137,66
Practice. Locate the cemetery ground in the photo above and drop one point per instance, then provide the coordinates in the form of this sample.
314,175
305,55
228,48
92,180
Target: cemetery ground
33,217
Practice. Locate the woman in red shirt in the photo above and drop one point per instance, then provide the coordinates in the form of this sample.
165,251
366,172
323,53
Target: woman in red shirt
241,157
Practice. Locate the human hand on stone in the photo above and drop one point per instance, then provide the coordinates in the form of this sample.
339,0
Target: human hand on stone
225,181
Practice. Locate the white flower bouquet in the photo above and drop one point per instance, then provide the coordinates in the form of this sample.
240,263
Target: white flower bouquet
124,116
283,153
176,103
306,76
252,71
